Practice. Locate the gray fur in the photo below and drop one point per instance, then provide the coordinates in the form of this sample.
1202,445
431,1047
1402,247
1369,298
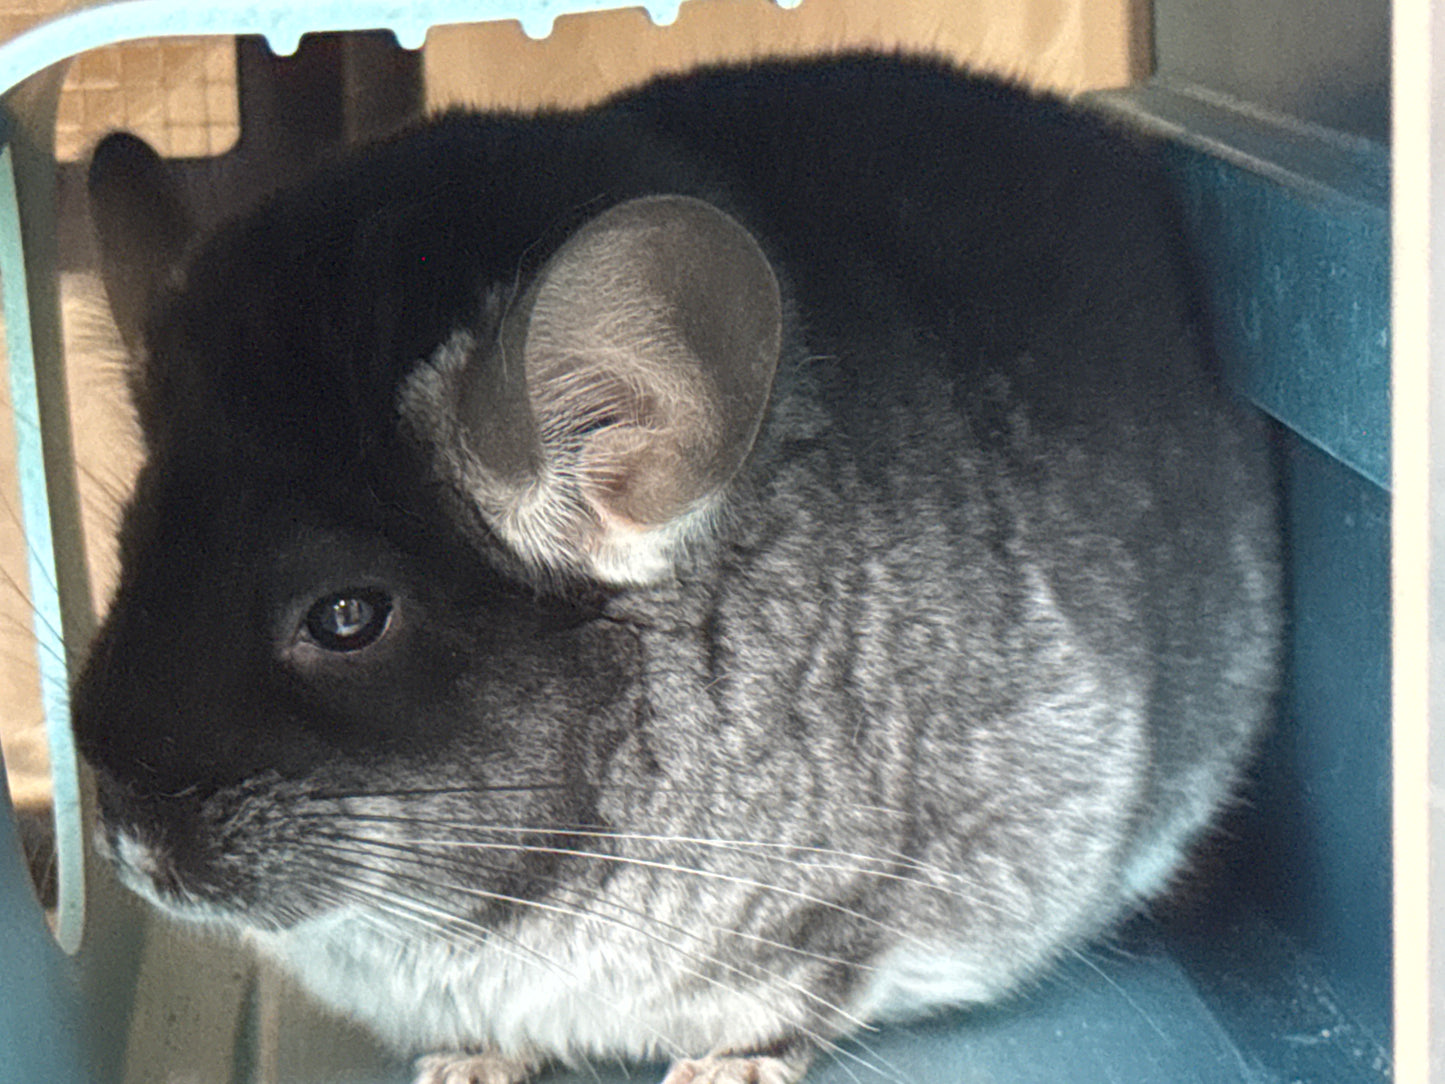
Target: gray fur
920,673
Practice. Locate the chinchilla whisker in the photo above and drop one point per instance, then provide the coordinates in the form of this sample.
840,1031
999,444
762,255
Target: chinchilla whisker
343,894
583,914
673,867
1083,957
824,1044
407,851
508,788
448,926
741,845
14,516
835,1051
857,862
427,792
410,912
822,958
760,848
11,621
929,868
15,585
702,957
27,660
735,846
421,792
437,862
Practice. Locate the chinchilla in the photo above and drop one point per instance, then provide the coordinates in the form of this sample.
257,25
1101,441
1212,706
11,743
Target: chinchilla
678,579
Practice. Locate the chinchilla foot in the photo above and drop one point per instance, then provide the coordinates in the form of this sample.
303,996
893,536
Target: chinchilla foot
487,1067
735,1070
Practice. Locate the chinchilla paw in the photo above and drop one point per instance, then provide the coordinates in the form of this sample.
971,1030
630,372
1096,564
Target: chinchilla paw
733,1070
488,1067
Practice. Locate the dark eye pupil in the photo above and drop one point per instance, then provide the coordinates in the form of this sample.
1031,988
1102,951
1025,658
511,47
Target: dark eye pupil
349,620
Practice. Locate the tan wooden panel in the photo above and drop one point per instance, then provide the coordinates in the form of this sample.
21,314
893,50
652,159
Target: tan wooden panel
178,93
1063,45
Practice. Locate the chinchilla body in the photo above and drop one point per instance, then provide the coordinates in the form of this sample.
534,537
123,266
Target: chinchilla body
680,579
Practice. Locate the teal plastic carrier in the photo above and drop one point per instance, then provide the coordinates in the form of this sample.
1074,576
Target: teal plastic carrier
1285,977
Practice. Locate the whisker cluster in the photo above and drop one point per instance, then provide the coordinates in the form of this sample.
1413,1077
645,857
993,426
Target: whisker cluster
346,854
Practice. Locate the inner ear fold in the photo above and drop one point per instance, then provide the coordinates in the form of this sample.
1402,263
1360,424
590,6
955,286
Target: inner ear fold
141,223
626,387
650,350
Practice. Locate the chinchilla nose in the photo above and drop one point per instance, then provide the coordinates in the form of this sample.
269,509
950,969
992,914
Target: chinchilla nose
132,814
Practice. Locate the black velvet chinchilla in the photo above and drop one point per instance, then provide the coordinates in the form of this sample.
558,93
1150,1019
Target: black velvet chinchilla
680,579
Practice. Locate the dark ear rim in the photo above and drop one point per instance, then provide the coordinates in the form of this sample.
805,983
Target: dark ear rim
142,225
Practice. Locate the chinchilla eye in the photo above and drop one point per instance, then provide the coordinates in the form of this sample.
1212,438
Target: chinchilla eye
349,620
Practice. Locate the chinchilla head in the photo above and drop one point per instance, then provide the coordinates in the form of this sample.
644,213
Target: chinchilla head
394,479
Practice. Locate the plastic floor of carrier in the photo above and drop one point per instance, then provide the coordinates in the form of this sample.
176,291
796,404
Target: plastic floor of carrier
1285,977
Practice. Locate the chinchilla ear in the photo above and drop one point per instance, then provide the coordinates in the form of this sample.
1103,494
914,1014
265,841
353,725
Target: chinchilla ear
141,223
624,391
